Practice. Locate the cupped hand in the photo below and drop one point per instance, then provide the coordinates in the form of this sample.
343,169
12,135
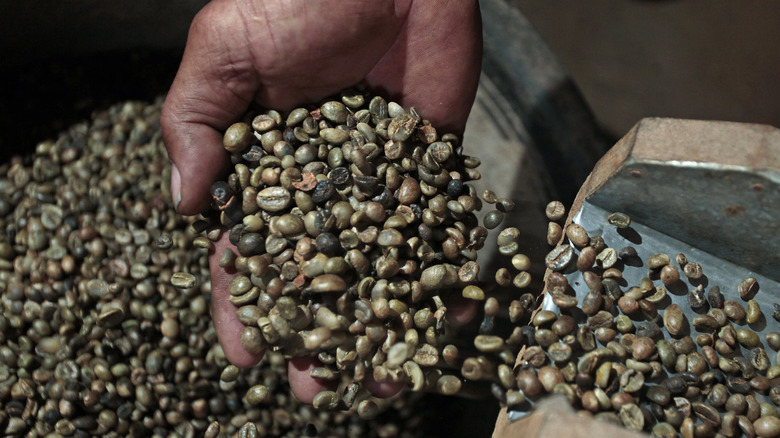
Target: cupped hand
285,53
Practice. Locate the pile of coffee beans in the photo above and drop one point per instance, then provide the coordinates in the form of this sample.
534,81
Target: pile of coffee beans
626,354
105,327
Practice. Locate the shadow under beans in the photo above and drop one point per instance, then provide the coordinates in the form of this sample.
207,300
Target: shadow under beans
703,281
677,288
631,235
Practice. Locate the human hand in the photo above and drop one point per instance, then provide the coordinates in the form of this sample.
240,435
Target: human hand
285,53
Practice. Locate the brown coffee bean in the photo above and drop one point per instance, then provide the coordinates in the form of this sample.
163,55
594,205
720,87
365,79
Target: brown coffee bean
563,325
620,220
592,302
669,275
753,312
748,288
529,383
543,318
545,337
409,192
773,340
605,334
577,235
503,277
706,413
559,352
602,318
586,258
590,402
252,340
644,347
692,270
549,376
473,293
658,294
705,323
768,427
488,344
554,233
564,301
715,298
559,258
237,138
748,338
660,395
628,305
468,272
630,414
606,258
522,280
674,319
493,219
734,310
555,211
696,298
719,316
257,395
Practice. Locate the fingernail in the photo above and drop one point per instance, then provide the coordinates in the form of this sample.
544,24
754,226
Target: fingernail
175,186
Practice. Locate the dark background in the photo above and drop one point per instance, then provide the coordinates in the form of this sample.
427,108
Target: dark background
703,59
63,60
700,59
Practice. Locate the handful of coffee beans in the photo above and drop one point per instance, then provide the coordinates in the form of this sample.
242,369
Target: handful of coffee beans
351,222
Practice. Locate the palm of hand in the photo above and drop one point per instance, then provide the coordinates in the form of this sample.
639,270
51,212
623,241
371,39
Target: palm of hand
285,53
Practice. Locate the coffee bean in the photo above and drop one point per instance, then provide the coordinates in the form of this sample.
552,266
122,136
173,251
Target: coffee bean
577,235
659,395
488,344
705,323
644,347
328,283
747,338
748,288
696,298
674,319
493,219
554,233
773,340
734,311
715,298
586,258
692,270
559,258
620,220
273,199
669,275
753,312
606,258
767,426
555,211
237,138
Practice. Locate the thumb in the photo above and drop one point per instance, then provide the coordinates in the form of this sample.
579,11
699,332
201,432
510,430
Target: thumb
198,160
213,88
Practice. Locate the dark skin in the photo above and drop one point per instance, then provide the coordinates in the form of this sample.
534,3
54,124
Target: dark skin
281,54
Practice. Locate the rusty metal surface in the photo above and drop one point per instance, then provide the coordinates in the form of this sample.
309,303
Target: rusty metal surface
727,211
712,185
723,198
